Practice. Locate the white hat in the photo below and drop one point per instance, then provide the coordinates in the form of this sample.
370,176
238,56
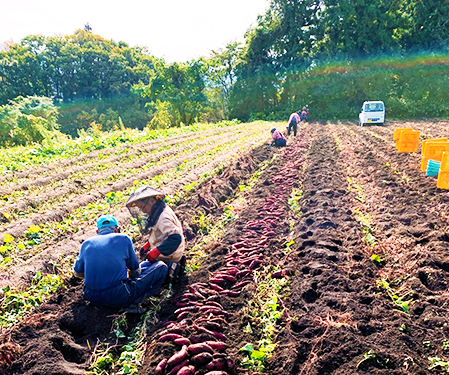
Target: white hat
142,193
272,129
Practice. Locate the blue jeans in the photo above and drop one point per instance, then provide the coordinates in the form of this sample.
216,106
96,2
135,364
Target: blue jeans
280,142
130,291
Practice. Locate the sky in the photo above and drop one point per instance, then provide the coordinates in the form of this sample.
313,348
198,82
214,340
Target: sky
176,30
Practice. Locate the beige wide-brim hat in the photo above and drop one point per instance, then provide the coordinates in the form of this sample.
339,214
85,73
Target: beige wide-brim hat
143,193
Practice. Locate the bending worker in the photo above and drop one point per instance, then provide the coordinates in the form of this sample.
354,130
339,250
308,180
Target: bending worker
278,138
304,115
293,123
104,262
166,239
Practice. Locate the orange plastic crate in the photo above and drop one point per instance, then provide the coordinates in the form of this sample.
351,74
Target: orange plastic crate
397,132
433,151
408,141
433,140
444,166
443,180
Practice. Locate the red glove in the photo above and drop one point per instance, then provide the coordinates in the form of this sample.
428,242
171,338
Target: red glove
143,250
153,254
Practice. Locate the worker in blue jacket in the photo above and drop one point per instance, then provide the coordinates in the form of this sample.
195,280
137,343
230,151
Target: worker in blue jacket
111,271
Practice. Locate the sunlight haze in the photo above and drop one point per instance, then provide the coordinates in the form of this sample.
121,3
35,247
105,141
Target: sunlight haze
176,30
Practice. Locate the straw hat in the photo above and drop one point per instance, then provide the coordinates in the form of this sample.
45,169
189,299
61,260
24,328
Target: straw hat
143,193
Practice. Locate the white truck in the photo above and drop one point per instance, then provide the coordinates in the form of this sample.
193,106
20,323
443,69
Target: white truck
373,112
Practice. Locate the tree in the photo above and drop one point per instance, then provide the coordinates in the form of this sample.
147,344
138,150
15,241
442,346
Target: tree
178,89
28,120
221,73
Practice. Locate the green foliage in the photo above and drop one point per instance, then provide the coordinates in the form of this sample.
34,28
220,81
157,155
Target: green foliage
16,303
178,90
28,120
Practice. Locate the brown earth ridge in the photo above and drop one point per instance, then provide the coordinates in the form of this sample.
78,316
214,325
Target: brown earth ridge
341,312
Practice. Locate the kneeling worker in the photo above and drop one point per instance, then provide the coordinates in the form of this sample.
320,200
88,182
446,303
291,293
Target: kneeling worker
166,238
104,263
278,138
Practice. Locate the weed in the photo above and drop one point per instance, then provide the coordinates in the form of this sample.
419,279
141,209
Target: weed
264,312
438,362
399,301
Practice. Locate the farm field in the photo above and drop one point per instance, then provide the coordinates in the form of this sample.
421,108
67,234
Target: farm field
328,256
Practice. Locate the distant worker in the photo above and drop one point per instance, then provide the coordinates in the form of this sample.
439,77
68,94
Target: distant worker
293,123
111,271
165,235
304,115
278,138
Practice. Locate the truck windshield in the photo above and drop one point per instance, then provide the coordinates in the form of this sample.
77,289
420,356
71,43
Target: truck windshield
374,107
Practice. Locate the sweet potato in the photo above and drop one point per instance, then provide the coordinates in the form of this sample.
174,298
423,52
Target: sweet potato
173,328
206,308
216,373
182,341
202,358
229,278
193,308
232,293
217,345
241,284
183,315
217,280
161,365
254,264
186,370
174,370
178,357
216,287
190,296
213,297
196,339
242,273
231,270
217,364
205,330
170,337
215,311
213,326
238,245
199,348
213,303
219,355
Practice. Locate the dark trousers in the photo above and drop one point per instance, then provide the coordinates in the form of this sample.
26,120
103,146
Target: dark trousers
293,125
280,142
304,117
130,291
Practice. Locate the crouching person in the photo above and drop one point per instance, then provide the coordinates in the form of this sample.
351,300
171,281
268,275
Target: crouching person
278,138
111,271
165,234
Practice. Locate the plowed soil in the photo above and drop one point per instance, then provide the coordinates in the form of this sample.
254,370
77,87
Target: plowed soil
366,257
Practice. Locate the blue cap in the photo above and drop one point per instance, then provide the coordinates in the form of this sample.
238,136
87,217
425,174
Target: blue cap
107,221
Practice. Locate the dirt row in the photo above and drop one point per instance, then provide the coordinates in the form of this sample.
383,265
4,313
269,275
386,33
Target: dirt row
343,310
55,339
75,190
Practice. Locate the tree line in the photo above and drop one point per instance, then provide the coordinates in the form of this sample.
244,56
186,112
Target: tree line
94,80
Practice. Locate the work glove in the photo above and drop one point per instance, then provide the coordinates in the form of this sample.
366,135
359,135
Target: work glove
143,250
153,254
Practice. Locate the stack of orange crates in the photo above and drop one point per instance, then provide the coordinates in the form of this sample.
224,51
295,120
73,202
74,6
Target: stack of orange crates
407,140
443,175
432,149
397,132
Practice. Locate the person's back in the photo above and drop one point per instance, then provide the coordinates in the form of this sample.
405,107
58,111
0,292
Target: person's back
106,260
278,138
113,254
293,123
